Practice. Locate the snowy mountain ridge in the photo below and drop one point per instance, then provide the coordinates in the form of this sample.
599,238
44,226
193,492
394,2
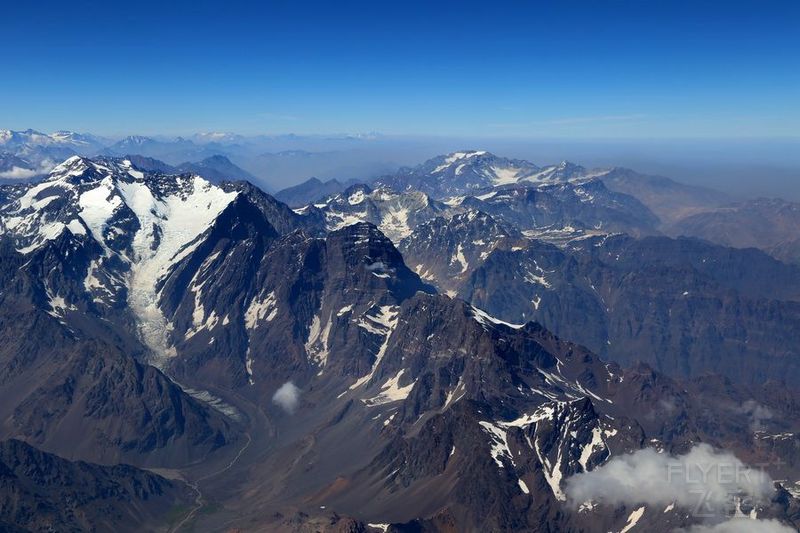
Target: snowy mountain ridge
469,171
147,224
396,213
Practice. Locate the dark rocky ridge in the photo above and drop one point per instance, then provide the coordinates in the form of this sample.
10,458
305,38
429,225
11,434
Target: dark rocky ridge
768,224
445,251
584,204
215,168
292,295
684,306
309,192
43,492
667,198
68,383
473,381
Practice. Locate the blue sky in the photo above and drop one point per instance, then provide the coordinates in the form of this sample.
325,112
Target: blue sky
600,69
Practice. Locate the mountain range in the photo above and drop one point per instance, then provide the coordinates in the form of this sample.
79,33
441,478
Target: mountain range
331,164
475,344
272,161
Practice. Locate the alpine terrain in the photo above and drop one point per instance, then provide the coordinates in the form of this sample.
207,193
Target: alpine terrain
473,344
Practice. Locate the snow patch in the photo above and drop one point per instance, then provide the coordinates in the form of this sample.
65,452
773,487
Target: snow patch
484,318
499,443
456,156
506,175
633,519
587,451
317,343
356,198
459,257
259,310
384,323
391,391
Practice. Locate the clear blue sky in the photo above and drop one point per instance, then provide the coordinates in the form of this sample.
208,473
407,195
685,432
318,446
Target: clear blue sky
595,69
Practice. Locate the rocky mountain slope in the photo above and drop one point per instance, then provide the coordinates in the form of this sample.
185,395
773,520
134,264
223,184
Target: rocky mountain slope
460,173
395,213
684,306
445,251
216,168
556,212
667,198
468,421
298,373
310,191
43,492
768,224
578,205
71,382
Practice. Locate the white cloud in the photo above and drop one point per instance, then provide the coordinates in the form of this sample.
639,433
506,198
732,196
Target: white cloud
704,481
741,525
18,173
287,397
757,413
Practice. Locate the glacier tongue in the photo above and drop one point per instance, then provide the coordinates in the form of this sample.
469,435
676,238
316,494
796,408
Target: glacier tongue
168,230
171,211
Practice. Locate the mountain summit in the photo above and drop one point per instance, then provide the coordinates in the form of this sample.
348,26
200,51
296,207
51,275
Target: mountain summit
461,172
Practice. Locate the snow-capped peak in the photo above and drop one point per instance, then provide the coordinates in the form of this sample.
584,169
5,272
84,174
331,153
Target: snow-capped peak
458,156
148,222
562,172
70,137
60,139
72,166
135,140
395,213
95,191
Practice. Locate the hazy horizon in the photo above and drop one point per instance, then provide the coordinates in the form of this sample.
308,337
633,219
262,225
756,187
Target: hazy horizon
742,167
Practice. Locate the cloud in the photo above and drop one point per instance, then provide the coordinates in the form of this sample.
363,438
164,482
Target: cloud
21,173
741,525
287,397
18,173
757,413
704,481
